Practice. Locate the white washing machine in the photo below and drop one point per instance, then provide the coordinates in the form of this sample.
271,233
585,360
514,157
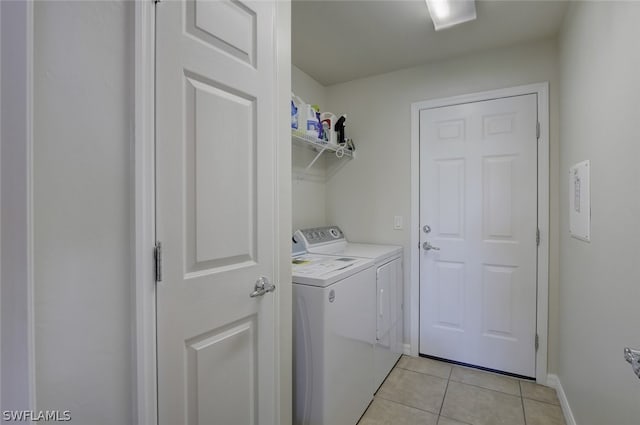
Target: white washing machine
333,338
330,240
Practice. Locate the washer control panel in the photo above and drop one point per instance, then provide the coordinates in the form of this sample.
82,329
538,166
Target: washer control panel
320,235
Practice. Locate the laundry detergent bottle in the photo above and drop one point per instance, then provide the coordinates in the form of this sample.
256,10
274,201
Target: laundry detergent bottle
328,121
313,124
298,119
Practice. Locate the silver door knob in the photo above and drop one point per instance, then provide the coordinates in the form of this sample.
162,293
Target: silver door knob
262,287
633,357
428,247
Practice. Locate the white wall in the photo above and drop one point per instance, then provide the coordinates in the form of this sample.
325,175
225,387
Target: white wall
366,193
83,84
599,290
308,190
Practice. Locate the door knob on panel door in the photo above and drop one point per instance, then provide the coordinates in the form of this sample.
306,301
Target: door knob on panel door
633,357
262,287
428,247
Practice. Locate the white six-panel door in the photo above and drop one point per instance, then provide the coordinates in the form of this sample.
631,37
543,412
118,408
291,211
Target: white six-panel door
215,154
478,197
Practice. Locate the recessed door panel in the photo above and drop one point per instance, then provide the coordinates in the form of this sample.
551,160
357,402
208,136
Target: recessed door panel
450,282
227,25
221,188
498,301
226,355
498,207
452,130
450,178
500,124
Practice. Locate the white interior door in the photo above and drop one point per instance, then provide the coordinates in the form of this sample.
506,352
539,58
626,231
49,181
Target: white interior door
215,153
478,197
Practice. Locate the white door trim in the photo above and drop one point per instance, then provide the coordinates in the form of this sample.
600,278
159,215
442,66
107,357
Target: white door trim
282,259
144,292
144,289
16,223
542,90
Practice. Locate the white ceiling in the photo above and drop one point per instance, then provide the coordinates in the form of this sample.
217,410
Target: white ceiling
340,40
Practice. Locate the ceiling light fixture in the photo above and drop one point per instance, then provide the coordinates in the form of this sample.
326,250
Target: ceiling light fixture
447,13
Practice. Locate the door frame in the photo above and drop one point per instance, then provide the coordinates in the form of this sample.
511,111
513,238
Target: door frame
16,198
542,302
144,289
144,358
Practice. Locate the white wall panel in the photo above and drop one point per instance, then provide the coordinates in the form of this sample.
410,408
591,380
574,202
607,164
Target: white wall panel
309,194
600,64
83,88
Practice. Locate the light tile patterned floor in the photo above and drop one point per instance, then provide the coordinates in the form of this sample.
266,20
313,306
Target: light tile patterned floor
421,391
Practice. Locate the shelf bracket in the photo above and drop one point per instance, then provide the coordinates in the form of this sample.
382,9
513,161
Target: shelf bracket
315,159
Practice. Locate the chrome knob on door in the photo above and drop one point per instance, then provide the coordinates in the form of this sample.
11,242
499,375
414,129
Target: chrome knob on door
262,287
428,247
633,357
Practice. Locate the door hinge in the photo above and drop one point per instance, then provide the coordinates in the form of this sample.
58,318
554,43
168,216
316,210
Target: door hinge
538,130
157,253
537,342
538,237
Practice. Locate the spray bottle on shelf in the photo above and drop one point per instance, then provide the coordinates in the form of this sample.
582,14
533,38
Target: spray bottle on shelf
339,128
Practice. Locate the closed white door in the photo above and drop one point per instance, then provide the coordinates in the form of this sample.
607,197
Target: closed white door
478,206
215,154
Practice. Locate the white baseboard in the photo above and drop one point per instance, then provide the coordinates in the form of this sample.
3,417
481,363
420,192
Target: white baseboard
554,382
407,349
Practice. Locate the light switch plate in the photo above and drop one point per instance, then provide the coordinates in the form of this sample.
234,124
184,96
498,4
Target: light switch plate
397,222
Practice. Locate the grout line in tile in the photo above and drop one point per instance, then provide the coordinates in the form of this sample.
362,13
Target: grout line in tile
541,401
444,395
423,373
452,419
524,413
485,388
406,405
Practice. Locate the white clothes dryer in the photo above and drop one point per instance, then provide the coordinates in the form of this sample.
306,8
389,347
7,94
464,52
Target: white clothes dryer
389,316
333,338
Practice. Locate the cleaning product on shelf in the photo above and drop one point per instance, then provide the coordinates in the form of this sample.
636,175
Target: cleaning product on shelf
339,128
298,117
320,134
294,115
328,121
313,124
